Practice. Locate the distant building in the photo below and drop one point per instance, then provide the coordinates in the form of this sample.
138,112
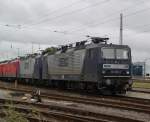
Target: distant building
138,69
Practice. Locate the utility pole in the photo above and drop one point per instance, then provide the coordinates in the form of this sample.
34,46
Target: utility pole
121,29
18,52
32,47
39,47
144,69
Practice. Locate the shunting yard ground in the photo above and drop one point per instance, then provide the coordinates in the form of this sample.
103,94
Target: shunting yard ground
108,109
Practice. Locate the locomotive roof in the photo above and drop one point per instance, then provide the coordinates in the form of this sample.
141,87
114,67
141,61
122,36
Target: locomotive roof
106,45
29,56
9,61
88,46
94,43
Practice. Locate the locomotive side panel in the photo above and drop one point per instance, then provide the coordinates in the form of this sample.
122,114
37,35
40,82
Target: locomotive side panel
38,68
1,70
14,69
10,69
44,68
91,65
27,68
66,66
78,61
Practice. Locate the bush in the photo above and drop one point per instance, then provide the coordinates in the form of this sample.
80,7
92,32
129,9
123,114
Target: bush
50,50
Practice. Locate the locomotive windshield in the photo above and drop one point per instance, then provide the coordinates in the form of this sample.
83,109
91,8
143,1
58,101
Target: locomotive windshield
121,53
108,53
112,53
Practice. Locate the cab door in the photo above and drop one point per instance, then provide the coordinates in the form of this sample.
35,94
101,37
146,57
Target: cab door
90,69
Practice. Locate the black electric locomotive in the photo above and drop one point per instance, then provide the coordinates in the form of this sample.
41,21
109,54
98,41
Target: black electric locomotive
95,66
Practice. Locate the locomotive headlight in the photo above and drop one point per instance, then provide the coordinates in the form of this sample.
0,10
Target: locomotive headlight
127,72
103,71
108,82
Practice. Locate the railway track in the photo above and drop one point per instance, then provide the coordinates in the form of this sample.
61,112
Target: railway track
29,118
64,113
140,90
124,103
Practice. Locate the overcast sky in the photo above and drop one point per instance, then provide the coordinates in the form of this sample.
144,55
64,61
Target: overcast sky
56,22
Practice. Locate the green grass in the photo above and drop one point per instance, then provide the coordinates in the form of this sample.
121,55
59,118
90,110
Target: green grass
11,115
141,85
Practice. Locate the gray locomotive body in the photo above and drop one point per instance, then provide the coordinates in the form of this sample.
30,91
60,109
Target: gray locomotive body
94,66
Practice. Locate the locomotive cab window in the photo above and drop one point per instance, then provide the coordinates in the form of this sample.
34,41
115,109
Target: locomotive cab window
122,54
108,53
112,53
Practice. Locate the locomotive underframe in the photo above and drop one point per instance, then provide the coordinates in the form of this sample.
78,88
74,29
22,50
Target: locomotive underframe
115,85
